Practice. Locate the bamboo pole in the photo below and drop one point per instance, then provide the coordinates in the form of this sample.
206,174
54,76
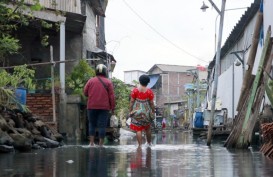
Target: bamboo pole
260,94
243,141
48,63
239,136
53,84
264,83
237,125
251,59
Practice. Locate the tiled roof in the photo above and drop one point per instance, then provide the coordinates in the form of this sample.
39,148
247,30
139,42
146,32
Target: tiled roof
172,68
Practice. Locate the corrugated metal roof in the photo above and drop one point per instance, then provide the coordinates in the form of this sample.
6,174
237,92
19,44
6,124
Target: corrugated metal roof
135,70
172,68
238,30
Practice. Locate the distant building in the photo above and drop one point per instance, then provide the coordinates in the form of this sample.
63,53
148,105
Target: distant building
132,75
168,82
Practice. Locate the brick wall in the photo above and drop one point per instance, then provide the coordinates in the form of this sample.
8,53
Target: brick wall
41,106
172,87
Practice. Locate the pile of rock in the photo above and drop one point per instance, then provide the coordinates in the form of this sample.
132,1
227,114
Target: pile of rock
23,132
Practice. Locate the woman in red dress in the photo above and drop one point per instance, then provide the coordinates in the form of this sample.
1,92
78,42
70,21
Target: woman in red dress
142,109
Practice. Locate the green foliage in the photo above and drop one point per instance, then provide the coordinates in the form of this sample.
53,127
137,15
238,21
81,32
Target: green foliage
80,74
8,45
5,78
21,77
122,95
44,40
11,18
37,6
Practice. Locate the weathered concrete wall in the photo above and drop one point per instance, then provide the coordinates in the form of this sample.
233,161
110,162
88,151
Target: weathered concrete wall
75,122
73,46
89,31
32,50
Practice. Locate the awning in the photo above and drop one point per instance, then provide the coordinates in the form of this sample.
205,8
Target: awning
153,80
102,55
97,52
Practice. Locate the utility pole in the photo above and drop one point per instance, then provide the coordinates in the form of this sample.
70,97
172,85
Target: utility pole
217,67
198,90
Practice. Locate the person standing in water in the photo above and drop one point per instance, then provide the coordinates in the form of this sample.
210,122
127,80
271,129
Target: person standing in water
142,109
101,100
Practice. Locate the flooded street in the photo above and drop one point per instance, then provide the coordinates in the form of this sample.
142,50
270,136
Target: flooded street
173,154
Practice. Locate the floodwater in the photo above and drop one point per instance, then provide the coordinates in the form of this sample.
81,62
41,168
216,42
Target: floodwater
173,154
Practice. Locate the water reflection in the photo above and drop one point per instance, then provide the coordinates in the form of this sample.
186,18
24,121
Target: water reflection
140,163
173,154
98,162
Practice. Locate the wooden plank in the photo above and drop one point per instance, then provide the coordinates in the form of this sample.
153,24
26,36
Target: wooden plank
260,95
237,126
242,142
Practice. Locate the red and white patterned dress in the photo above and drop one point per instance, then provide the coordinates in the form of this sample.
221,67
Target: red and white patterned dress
142,112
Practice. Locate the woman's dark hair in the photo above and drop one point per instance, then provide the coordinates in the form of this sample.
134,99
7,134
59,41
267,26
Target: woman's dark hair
144,80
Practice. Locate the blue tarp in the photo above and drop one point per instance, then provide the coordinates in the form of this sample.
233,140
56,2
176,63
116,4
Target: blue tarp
153,80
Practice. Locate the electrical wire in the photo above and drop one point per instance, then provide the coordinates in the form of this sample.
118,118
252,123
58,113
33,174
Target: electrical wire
165,38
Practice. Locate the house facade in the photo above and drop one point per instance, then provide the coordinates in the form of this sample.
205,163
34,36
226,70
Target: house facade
77,32
132,75
167,82
235,53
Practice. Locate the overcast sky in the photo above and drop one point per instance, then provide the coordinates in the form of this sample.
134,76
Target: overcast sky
141,33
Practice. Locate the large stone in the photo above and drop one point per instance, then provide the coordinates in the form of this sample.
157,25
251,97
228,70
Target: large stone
51,144
11,123
45,131
38,138
3,124
25,132
58,137
5,139
42,144
35,131
19,120
21,142
6,148
39,123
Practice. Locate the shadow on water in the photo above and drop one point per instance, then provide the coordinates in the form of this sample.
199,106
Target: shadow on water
173,154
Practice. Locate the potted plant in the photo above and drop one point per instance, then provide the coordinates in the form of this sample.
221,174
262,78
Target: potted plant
31,88
17,83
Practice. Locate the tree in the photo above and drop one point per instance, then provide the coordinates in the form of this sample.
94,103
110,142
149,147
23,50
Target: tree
13,15
122,94
79,76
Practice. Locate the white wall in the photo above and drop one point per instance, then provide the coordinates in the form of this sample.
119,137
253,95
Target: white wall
268,15
130,76
224,90
89,31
